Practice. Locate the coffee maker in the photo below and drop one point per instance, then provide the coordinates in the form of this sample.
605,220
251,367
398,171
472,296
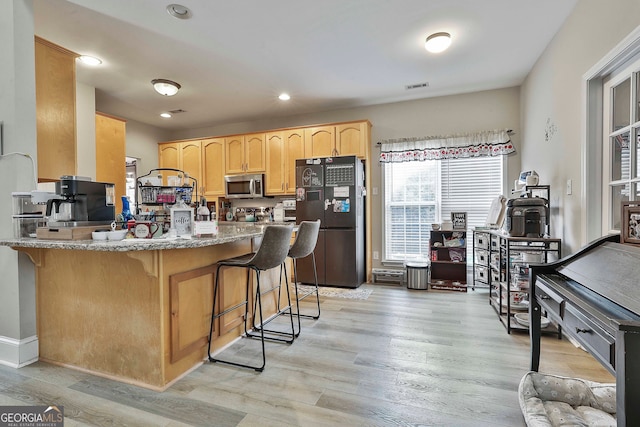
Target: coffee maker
82,202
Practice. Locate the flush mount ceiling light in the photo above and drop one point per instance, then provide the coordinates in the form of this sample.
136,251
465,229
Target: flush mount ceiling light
89,60
284,97
165,87
165,115
179,11
438,42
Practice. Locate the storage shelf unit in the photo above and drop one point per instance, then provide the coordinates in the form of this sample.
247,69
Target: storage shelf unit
501,263
448,260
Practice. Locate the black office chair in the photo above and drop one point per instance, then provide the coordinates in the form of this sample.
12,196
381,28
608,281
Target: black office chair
303,246
271,253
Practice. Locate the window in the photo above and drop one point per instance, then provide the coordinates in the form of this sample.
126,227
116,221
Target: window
419,193
621,140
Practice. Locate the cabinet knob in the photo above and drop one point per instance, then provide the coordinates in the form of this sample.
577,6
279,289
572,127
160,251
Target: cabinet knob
545,297
582,331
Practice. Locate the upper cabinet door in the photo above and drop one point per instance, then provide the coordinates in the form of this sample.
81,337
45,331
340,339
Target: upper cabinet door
352,139
255,153
275,163
191,162
55,110
213,159
169,156
234,152
293,150
110,154
320,141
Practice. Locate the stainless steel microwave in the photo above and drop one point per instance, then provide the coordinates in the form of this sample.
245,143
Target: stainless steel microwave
244,186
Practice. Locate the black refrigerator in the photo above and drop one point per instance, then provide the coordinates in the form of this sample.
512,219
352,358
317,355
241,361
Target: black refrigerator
331,189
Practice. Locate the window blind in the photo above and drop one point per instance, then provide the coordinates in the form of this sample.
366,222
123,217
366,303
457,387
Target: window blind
417,194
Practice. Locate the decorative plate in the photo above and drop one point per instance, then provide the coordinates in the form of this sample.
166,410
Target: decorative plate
517,305
523,319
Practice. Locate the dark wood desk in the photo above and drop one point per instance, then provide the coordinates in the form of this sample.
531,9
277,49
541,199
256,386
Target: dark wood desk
594,295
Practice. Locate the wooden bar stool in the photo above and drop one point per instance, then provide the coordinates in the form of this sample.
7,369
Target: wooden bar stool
272,252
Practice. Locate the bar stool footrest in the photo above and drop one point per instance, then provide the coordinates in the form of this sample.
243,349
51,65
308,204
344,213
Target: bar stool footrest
240,365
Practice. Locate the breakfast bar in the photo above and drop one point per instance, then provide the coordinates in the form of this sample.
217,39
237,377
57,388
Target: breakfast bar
138,310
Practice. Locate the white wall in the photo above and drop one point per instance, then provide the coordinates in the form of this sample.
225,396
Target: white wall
141,139
553,93
142,143
86,130
18,343
495,109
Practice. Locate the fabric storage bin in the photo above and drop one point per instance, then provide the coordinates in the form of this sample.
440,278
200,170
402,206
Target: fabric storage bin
482,274
481,257
495,242
481,240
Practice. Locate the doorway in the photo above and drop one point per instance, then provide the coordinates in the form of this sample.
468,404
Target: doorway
131,171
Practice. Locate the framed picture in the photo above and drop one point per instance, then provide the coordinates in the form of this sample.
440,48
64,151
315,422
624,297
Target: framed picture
630,232
182,221
459,220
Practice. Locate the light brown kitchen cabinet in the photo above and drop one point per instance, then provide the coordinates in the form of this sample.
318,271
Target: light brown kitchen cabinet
169,155
185,156
275,176
283,149
55,110
245,154
191,161
294,149
345,139
213,167
320,141
234,154
110,154
273,153
352,139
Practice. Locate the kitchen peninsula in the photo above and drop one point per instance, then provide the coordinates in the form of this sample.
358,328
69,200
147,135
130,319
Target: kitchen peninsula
138,310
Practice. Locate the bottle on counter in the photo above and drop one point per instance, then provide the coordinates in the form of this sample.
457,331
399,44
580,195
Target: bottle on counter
203,213
126,212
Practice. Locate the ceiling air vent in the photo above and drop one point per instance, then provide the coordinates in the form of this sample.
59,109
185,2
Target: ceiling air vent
178,111
417,86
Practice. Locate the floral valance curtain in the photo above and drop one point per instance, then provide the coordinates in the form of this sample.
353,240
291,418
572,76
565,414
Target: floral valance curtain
479,144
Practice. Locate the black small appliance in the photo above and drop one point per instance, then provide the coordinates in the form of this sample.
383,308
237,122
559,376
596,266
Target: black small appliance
527,217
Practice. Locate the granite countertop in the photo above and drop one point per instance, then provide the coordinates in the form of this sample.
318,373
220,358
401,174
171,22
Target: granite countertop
229,232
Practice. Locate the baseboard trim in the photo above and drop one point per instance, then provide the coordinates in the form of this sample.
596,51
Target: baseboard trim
18,353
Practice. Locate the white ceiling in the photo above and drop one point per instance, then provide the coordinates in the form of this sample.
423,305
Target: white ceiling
233,58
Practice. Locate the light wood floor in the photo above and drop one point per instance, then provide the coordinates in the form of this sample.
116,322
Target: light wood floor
400,358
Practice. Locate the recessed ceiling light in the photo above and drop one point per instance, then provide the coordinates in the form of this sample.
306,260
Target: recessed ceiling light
438,42
165,87
89,60
284,97
179,11
165,115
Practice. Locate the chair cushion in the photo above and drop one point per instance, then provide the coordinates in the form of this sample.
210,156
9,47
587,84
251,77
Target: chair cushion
239,261
551,400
